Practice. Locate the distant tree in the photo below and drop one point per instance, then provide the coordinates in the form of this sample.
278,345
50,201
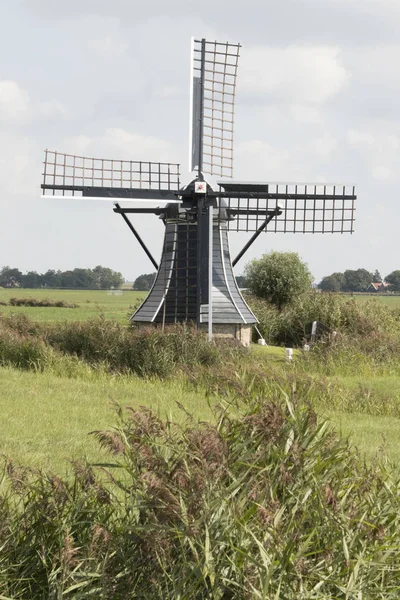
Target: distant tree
377,277
31,280
332,283
67,279
394,279
241,281
357,281
278,276
10,277
84,279
51,279
107,278
97,278
144,282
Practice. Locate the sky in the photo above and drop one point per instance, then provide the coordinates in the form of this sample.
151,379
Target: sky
317,100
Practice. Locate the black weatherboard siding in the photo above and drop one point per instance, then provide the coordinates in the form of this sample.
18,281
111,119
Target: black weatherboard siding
172,298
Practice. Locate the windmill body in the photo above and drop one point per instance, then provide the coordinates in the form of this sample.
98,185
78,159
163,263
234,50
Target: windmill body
195,280
181,289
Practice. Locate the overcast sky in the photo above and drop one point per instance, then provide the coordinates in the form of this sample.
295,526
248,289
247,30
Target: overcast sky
317,100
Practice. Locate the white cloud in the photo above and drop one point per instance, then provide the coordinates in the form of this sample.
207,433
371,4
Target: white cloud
110,42
19,167
324,145
52,108
360,139
382,173
15,104
258,160
380,150
305,114
17,108
295,75
122,145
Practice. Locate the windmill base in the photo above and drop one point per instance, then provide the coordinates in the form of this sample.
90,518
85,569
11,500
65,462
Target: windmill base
236,331
228,331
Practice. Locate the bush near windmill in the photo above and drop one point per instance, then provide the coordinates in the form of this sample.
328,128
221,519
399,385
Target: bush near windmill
278,277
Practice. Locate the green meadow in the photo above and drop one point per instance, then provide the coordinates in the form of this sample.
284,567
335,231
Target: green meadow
149,464
47,416
91,303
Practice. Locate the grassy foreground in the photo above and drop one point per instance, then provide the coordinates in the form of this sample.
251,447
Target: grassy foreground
46,418
263,501
252,495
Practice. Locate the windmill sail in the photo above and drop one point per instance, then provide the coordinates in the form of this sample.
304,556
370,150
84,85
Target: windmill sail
81,176
213,87
304,208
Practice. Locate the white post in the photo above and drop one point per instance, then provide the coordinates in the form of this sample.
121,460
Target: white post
210,270
314,331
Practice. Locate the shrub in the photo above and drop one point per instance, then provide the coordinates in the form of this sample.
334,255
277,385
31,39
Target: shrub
266,502
42,302
23,352
147,352
279,277
288,327
22,324
144,351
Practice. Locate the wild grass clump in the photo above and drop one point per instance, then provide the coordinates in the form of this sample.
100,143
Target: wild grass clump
265,502
375,355
288,327
29,352
368,333
23,352
146,351
21,324
42,302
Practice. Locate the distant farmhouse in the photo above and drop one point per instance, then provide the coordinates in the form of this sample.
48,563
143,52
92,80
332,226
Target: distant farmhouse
380,286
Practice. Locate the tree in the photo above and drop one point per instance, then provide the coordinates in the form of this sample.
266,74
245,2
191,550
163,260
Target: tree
67,280
31,280
144,282
332,283
377,277
10,277
278,276
107,278
394,280
357,281
51,279
241,281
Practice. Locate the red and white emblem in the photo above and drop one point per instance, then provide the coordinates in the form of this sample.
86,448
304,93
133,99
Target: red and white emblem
200,187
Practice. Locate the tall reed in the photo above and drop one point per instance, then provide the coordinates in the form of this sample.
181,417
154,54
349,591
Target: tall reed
265,502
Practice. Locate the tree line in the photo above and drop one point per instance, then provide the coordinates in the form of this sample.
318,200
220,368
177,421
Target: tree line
99,278
144,282
282,266
358,281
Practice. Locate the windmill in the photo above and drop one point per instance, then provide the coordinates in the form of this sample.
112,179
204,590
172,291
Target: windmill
195,280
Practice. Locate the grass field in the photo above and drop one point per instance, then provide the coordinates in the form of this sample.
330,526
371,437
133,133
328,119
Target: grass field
92,303
392,301
46,418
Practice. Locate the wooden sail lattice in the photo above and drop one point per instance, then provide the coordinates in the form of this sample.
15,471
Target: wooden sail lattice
305,208
72,175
